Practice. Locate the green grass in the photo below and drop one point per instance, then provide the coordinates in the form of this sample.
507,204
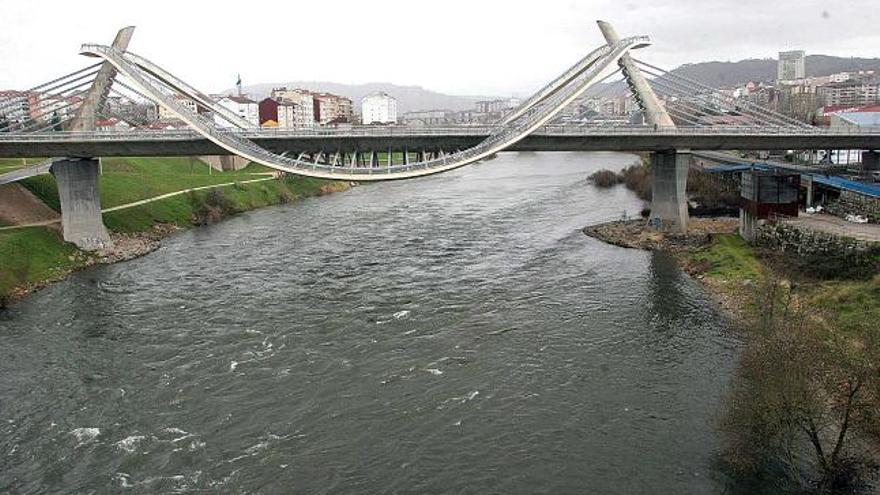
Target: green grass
10,164
852,307
846,305
179,209
729,257
126,180
33,255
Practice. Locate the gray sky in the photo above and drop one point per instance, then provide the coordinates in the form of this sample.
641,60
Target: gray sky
454,46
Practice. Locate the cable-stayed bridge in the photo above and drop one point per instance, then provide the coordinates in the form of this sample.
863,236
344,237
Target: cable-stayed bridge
677,115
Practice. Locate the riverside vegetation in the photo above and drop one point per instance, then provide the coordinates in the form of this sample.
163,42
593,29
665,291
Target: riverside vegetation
803,412
34,256
711,193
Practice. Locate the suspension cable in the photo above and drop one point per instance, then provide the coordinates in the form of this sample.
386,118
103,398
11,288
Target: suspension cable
723,104
12,101
767,113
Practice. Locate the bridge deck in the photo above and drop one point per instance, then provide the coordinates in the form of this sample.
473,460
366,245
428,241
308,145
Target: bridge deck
178,143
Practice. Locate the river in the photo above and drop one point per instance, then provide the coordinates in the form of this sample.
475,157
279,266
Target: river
451,334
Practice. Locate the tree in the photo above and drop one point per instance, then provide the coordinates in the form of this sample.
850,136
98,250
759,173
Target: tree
56,121
801,393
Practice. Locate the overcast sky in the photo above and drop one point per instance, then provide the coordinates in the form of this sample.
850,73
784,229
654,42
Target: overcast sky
465,47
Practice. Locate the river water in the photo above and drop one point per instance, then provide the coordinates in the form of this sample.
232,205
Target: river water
452,334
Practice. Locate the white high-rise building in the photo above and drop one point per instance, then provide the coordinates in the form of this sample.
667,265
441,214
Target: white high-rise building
379,108
791,66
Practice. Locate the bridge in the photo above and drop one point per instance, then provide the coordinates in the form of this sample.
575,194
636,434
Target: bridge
366,139
686,119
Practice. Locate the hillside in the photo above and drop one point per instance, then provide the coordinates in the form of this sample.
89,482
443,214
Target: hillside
409,98
719,74
716,74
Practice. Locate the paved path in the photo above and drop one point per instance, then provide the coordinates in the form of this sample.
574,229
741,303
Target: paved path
25,172
834,225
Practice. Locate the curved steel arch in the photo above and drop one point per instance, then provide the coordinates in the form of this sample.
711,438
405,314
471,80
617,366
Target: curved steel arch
184,88
540,111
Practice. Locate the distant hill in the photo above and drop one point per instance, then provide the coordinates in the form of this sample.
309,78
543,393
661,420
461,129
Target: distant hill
718,74
723,74
409,98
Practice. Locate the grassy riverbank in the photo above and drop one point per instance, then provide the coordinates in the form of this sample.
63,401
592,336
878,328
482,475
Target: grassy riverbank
803,408
32,257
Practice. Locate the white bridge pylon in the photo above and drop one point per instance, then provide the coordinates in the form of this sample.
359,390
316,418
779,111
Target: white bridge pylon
155,83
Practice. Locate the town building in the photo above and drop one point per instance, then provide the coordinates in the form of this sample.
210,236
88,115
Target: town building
801,101
867,116
112,125
791,66
304,104
379,108
167,125
14,108
277,113
189,104
497,106
242,106
427,117
332,109
851,92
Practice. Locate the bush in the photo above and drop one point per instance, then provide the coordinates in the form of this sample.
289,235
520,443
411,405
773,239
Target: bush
211,206
713,190
605,178
637,178
802,392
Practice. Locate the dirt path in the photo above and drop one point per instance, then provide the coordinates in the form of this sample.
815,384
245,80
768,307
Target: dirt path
838,226
18,206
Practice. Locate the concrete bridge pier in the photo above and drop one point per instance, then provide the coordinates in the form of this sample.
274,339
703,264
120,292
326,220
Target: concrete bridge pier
669,206
81,220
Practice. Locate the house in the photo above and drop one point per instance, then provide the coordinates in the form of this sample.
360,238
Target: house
278,113
242,106
112,125
379,108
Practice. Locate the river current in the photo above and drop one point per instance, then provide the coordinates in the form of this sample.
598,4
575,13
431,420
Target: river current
451,334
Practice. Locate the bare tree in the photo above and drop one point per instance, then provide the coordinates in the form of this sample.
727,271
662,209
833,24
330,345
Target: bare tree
800,396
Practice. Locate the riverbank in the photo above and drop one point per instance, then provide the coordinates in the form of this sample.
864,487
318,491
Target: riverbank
807,389
708,241
713,253
139,217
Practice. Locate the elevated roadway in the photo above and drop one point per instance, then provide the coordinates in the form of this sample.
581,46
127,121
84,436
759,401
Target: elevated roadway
365,139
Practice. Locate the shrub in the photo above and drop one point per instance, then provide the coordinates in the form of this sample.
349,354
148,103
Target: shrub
637,178
211,206
713,190
800,396
604,179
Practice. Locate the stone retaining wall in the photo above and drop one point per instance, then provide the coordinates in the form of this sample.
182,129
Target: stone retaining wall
790,239
851,203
